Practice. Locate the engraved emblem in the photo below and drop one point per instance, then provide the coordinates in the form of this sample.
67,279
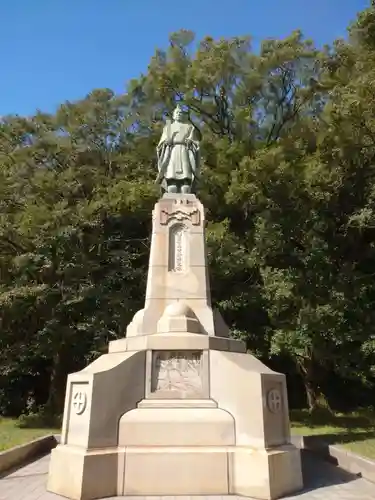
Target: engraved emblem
79,402
274,401
177,371
178,215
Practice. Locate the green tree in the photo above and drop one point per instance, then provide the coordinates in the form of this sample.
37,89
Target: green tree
287,180
74,237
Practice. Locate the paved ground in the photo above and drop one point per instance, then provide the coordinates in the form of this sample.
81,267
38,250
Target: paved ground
323,482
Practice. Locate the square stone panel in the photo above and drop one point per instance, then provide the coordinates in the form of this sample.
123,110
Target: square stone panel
177,374
79,413
276,421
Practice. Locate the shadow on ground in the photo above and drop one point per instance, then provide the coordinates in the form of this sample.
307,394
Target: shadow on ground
318,473
12,471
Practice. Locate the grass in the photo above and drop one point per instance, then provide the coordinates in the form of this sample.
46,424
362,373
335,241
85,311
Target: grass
12,435
355,431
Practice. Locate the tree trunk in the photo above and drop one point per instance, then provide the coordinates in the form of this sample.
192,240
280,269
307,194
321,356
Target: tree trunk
55,402
312,394
310,375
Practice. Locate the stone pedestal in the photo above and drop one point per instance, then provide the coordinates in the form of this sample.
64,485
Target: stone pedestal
177,407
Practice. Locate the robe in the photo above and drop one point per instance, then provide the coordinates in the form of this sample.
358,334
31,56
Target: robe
177,161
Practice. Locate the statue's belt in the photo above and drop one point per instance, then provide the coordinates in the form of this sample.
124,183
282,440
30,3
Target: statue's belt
179,143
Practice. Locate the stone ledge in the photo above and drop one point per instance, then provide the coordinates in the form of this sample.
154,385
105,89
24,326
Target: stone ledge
24,453
177,403
337,455
176,341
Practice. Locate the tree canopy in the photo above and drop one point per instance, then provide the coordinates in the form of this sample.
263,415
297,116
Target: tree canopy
288,180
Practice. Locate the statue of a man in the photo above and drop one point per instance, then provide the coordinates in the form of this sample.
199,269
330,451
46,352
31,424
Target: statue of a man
178,155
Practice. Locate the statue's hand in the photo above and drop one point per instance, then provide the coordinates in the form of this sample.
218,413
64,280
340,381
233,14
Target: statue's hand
189,143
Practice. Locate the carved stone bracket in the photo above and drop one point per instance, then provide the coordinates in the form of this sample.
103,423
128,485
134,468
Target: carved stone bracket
180,215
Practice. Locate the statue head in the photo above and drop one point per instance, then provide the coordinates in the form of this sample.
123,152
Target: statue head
178,114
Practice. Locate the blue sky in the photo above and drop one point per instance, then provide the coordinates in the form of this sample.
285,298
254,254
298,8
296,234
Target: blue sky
57,50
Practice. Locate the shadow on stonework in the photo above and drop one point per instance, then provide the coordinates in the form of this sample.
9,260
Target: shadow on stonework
317,473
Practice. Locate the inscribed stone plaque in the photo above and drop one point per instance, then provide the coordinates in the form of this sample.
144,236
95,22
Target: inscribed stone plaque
177,374
177,249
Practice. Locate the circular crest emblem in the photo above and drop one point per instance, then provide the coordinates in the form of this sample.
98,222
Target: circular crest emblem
274,401
79,402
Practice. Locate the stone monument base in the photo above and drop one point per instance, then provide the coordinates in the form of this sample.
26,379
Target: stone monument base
220,439
204,470
185,470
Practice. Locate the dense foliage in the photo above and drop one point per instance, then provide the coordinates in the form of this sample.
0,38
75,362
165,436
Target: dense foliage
289,183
